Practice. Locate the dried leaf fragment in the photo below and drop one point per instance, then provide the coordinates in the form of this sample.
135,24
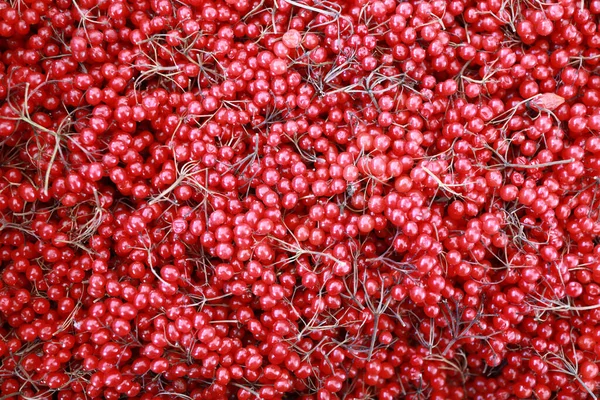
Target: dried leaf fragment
547,101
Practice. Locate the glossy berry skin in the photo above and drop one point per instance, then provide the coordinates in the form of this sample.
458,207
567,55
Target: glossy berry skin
319,200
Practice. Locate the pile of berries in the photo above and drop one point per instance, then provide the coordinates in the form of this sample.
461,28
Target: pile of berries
299,199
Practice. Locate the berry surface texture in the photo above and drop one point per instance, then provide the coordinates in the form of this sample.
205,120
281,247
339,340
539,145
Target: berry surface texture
299,199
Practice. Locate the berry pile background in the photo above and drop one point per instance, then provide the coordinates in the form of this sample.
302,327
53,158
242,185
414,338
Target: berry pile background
299,199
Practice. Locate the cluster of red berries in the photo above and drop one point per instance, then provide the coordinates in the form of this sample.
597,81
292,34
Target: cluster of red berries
313,199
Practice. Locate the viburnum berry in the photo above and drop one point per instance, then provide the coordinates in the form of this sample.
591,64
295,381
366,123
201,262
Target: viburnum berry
299,203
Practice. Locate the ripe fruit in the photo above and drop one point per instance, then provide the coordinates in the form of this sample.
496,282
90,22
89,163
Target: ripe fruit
277,199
